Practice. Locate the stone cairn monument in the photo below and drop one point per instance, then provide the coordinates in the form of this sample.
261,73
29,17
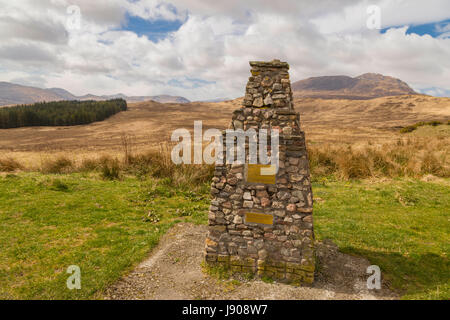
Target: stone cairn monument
261,223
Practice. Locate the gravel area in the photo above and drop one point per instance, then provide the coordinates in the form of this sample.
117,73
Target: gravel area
173,271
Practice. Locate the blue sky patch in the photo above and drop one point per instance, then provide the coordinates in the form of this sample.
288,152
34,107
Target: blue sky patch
436,92
154,30
433,29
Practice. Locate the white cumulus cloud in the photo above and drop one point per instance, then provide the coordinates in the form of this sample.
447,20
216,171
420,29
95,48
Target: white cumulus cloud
207,57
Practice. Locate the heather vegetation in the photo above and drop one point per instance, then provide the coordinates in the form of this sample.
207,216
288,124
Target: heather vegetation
413,127
60,113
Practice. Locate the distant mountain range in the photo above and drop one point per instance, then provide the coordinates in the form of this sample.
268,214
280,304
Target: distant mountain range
366,86
216,100
11,94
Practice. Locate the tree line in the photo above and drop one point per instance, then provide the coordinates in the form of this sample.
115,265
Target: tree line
59,113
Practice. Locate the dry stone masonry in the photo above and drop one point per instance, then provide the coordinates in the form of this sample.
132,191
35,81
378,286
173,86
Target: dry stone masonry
262,224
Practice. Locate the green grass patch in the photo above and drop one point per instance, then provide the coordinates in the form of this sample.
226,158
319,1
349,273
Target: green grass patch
267,279
219,272
417,125
442,131
402,226
49,222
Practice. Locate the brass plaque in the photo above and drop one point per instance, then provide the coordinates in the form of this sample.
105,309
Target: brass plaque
252,217
261,173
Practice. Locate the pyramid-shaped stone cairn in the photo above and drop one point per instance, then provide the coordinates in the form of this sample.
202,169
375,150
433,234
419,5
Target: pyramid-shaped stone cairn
261,223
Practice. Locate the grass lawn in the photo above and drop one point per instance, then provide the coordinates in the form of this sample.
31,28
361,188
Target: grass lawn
402,226
49,222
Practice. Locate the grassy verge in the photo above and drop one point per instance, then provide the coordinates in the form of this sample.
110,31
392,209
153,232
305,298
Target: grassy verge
402,226
49,222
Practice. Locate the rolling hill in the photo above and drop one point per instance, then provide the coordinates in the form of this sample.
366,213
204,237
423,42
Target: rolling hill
150,123
11,94
366,86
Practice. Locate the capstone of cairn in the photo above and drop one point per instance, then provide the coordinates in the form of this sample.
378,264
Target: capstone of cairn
262,223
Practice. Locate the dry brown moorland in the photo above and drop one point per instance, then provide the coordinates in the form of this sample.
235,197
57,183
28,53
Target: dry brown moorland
328,123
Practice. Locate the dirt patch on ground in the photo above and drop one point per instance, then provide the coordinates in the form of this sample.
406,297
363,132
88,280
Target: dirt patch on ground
173,271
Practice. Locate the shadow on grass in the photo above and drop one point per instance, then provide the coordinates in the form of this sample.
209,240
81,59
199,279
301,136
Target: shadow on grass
418,276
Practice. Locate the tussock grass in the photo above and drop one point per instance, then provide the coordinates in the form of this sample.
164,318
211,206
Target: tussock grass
412,157
61,164
110,168
156,163
9,165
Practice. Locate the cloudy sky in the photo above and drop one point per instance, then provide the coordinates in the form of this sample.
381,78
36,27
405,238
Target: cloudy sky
200,49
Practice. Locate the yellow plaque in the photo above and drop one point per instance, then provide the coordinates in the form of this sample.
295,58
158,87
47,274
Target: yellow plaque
261,173
252,217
